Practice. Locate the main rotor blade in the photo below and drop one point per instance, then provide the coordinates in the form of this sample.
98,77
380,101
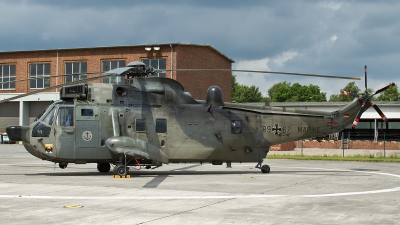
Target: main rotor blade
50,76
56,86
251,71
380,112
272,72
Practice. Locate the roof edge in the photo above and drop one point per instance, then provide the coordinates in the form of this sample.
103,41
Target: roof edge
124,46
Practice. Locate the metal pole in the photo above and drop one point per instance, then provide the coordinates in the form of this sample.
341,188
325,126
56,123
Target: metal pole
384,145
343,143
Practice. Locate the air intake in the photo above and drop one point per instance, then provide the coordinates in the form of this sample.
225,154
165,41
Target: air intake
77,91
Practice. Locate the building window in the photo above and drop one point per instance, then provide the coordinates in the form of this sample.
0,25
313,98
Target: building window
42,74
158,64
7,73
110,65
74,68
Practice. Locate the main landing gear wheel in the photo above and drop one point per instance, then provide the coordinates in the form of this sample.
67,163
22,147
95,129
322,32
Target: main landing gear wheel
265,168
103,167
121,170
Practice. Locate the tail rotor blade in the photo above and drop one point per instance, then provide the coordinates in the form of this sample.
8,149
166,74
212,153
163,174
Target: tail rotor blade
383,89
350,94
357,119
380,112
365,78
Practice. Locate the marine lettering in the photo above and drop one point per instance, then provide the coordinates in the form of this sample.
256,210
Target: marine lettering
308,129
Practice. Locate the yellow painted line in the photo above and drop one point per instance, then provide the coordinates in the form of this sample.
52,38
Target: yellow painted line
73,206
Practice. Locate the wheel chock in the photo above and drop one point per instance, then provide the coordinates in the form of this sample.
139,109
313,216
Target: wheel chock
118,176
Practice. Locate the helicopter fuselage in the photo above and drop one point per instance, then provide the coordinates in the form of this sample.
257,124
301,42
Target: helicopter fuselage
155,121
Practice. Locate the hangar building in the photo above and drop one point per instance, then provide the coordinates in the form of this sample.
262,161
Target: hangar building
18,65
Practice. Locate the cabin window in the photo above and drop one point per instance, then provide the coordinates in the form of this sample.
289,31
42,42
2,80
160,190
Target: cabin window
161,125
236,127
86,112
65,116
42,73
7,73
140,125
74,68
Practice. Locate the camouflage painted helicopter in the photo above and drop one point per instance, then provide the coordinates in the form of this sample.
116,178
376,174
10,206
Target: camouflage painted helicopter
149,121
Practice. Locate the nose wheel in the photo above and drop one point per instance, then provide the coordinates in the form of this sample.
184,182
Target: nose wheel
103,167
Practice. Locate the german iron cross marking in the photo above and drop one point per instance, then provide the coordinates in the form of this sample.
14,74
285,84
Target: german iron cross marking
276,129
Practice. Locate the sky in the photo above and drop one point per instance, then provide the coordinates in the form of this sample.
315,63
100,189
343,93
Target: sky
304,36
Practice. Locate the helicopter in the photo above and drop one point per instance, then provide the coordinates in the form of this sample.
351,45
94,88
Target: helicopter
147,121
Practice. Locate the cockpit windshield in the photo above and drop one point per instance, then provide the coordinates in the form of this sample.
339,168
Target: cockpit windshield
48,117
43,127
45,115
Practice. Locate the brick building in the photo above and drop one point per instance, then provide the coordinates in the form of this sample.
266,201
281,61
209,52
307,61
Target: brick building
48,64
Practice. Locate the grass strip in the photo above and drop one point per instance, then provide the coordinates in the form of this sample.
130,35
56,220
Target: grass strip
363,158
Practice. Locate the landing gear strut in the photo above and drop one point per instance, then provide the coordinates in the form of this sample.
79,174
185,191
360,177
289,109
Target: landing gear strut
264,168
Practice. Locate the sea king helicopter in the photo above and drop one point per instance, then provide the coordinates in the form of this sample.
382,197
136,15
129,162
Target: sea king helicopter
148,121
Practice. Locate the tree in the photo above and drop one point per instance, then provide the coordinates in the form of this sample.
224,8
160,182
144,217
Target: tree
243,93
285,92
391,94
233,82
279,92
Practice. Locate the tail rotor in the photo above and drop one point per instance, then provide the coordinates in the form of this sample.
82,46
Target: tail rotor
367,100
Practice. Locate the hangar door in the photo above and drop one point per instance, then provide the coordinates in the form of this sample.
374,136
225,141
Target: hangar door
9,115
37,108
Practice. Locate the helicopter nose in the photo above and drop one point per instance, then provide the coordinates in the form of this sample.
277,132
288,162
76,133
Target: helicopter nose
14,133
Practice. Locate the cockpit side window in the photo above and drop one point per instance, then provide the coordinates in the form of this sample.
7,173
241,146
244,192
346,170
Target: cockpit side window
86,112
65,116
